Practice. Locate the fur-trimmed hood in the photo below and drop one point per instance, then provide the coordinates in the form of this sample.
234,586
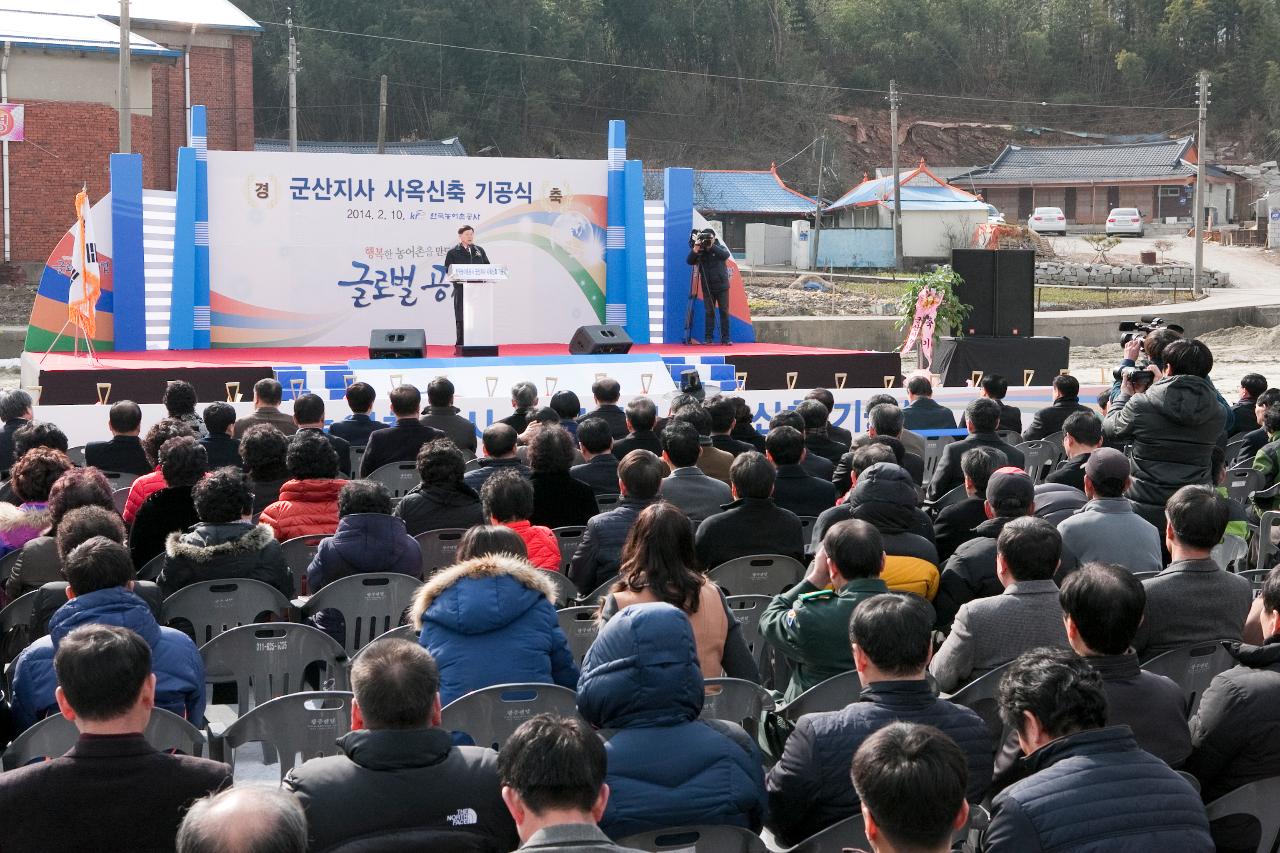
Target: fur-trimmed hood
13,518
481,594
208,542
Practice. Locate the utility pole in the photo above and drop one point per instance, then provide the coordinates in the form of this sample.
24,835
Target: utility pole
293,84
817,208
897,181
1202,154
125,108
382,116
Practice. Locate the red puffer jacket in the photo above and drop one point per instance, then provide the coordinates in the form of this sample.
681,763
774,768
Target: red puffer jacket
541,542
305,507
141,489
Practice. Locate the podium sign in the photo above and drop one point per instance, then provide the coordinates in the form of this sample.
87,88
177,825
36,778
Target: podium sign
481,280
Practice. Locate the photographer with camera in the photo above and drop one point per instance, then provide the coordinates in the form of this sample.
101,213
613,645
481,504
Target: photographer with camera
1173,425
709,255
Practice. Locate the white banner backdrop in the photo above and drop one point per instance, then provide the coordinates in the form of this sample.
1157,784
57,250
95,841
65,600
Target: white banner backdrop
319,249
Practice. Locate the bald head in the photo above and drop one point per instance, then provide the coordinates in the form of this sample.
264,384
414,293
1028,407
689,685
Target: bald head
247,819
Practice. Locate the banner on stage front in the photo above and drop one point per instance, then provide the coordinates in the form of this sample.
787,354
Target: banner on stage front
320,249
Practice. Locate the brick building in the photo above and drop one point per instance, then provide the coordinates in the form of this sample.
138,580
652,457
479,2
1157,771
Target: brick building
62,64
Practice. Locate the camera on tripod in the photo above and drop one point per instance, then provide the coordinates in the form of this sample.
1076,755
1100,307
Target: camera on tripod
704,239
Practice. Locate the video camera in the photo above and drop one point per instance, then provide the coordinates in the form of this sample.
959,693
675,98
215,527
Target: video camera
1131,329
705,238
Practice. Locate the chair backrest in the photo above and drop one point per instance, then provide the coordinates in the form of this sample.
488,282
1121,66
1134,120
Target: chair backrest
933,447
1257,800
954,496
211,607
1266,544
580,628
1057,439
568,538
439,548
806,531
298,552
370,604
1233,449
1038,455
471,465
76,455
357,457
1228,551
1257,577
1192,667
492,714
305,725
402,632
15,625
120,498
398,477
7,561
738,701
979,696
762,574
697,839
417,840
119,480
1242,481
830,695
566,592
607,502
269,660
775,670
152,568
55,734
848,833
599,592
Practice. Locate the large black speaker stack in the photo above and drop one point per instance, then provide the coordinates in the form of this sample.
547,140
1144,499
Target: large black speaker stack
1000,285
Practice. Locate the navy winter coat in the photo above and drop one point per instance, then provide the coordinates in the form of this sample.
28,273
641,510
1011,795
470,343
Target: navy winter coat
174,658
641,682
491,620
364,542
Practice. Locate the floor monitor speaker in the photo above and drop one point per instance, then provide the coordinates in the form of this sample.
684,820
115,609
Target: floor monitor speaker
397,343
600,340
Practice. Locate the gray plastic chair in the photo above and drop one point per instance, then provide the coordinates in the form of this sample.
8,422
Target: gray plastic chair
370,604
979,696
268,661
954,496
1038,456
399,478
568,539
1228,551
298,552
1058,440
580,628
357,457
738,701
300,724
439,548
933,447
1233,449
492,714
697,839
806,532
120,499
830,695
1241,481
761,574
607,502
1257,800
1192,668
76,455
152,568
592,598
774,668
15,624
848,833
55,734
403,632
211,607
119,480
1266,548
566,592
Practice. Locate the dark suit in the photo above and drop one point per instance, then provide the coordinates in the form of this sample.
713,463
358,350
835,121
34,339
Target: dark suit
954,525
122,453
948,474
747,434
818,466
697,495
400,443
795,490
340,447
223,450
461,254
266,415
840,435
643,440
924,413
112,792
456,428
600,473
6,441
731,445
1244,419
613,415
489,466
818,443
356,429
1070,472
746,528
842,477
1010,417
1051,418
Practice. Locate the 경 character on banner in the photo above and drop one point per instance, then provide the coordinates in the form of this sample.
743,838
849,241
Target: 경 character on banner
466,252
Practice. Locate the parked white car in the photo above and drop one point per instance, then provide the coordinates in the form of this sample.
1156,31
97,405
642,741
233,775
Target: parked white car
994,216
1046,219
1125,220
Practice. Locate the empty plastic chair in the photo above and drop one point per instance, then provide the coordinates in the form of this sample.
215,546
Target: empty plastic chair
933,447
357,457
1258,801
152,568
404,632
298,552
580,628
211,607
594,597
15,625
1242,481
1038,456
370,604
738,701
697,839
1230,550
76,455
299,726
568,539
761,574
1192,668
268,661
566,592
54,735
398,477
492,714
830,695
439,548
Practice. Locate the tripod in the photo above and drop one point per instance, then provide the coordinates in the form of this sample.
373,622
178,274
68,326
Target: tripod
695,285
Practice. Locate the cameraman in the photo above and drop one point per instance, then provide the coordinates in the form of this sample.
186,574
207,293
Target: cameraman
1173,426
709,256
1153,346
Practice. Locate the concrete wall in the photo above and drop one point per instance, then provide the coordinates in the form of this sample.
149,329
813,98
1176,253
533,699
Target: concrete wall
855,248
768,244
1100,275
930,234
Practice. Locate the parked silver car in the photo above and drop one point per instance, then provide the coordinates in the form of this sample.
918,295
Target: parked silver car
1044,220
1125,220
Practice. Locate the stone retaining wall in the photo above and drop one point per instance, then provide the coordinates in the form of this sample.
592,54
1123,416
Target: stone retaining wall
1063,273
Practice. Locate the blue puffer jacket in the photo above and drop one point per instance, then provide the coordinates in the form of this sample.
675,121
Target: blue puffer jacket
174,658
1095,791
667,767
491,621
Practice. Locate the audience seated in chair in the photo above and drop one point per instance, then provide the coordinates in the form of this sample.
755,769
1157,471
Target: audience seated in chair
600,471
752,523
506,499
180,401
1267,462
891,635
1243,417
744,429
106,686
1255,439
1193,600
499,443
398,769
1081,767
222,447
955,524
267,394
606,392
906,513
308,414
884,426
100,578
553,771
1066,402
491,618
15,412
252,819
721,409
1102,607
441,414
80,525
263,451
794,489
712,461
40,562
1236,730
688,486
981,418
809,624
600,551
659,564
642,414
308,502
838,434
524,402
990,632
141,488
566,404
813,465
994,387
1081,435
32,477
442,500
184,463
921,411
224,544
558,499
402,441
816,439
360,424
641,681
123,453
1106,529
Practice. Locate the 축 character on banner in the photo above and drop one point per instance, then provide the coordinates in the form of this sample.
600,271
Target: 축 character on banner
922,326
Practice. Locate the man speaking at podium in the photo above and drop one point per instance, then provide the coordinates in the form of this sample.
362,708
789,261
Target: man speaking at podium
466,252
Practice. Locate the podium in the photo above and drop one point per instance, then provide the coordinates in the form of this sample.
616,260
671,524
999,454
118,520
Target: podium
481,282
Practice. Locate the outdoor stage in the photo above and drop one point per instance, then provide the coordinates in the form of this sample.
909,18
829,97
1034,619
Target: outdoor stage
65,379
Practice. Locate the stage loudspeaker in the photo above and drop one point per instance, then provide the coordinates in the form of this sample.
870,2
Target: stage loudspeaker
600,340
397,343
1000,287
977,269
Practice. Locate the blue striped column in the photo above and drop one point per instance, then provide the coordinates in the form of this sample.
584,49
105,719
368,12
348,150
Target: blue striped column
182,300
637,273
200,290
615,277
677,199
128,283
